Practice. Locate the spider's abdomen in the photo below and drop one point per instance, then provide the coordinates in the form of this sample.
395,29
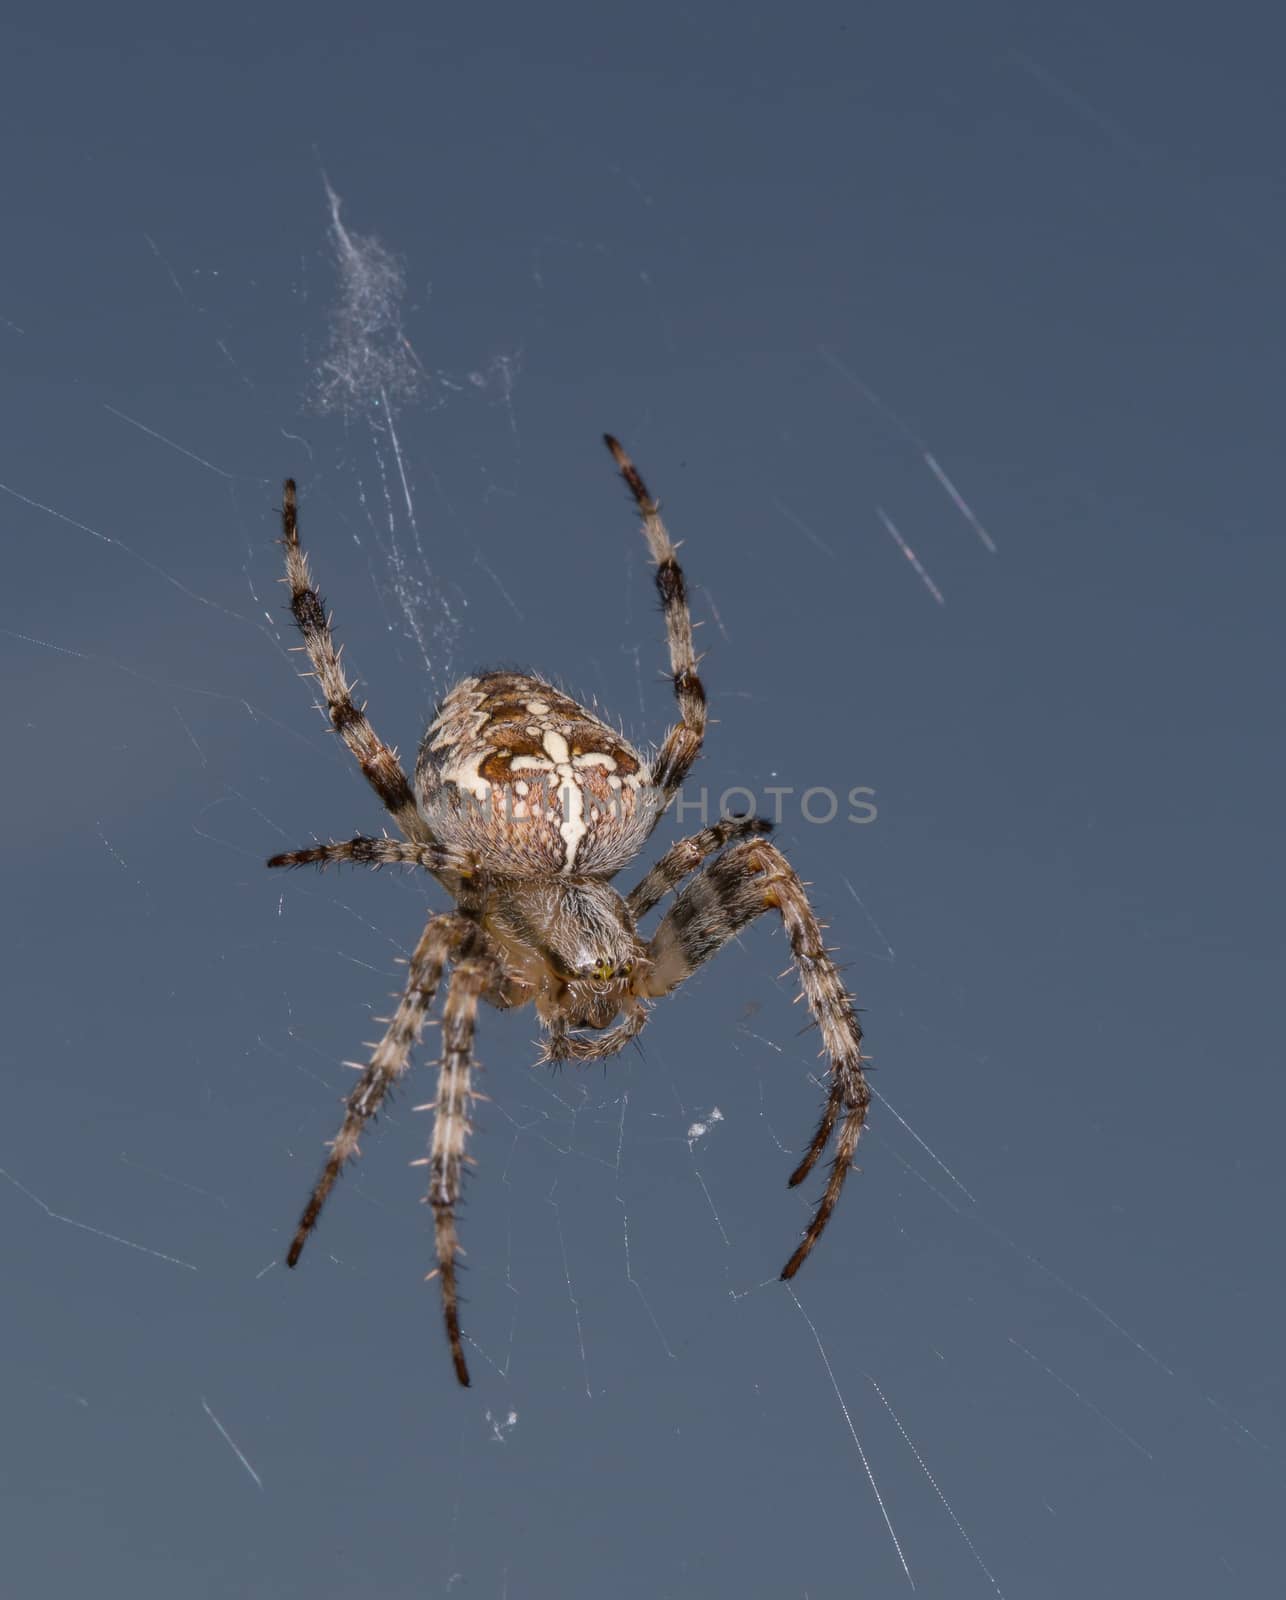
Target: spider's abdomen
520,775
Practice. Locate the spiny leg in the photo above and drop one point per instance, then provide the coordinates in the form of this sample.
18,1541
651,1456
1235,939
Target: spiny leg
682,743
389,1060
686,856
364,852
476,972
749,879
379,763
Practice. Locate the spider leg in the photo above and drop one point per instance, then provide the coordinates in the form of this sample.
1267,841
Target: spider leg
682,744
476,972
364,852
736,887
686,856
380,764
388,1062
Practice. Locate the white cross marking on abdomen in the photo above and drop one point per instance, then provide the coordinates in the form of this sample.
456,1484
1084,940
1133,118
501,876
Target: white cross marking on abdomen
573,827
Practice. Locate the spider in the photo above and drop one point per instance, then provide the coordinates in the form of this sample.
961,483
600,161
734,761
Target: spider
524,806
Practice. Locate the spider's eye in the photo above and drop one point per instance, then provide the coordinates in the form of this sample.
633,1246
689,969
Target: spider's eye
625,968
602,971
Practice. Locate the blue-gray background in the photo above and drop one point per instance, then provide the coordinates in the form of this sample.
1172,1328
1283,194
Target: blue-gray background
795,257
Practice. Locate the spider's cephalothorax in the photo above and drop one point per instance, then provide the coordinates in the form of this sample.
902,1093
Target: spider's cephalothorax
525,804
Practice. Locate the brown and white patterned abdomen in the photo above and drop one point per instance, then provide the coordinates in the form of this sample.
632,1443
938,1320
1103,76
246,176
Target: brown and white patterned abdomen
530,782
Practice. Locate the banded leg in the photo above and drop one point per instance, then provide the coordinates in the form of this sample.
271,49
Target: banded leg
686,856
388,1062
682,744
379,762
364,852
476,972
751,878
